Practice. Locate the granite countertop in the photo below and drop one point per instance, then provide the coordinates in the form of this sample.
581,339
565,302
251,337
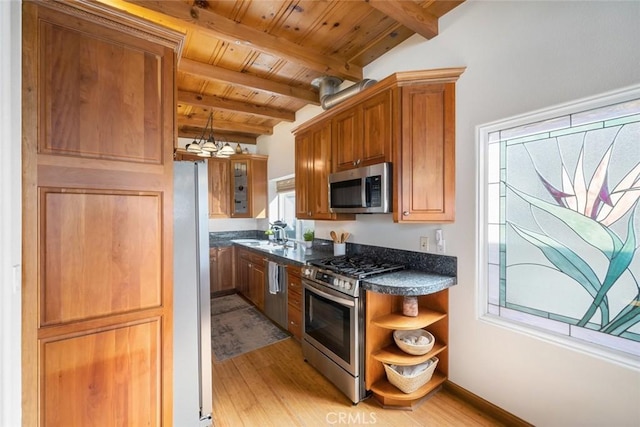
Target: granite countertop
408,283
298,256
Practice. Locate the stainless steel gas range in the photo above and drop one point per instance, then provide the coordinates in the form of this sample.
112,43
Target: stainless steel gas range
333,322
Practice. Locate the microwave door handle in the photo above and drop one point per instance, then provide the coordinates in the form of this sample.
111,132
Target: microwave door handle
363,194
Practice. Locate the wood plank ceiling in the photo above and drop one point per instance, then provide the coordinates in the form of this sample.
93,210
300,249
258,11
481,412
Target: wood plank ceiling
251,62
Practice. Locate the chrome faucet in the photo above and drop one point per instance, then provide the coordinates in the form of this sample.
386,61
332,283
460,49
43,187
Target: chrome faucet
279,234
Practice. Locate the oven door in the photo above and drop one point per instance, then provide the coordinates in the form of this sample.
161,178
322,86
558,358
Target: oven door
330,324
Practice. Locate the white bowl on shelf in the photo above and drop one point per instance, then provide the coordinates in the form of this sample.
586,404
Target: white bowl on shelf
415,341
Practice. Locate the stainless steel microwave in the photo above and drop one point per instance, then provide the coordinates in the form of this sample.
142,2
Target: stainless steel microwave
362,190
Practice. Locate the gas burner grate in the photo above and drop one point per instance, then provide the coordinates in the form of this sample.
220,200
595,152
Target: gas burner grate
356,266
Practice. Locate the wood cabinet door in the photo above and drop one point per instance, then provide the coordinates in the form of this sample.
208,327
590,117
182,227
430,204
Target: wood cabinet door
377,128
321,161
294,298
218,174
258,188
303,171
362,135
427,166
98,100
243,267
213,270
312,167
226,268
248,186
346,136
257,283
240,189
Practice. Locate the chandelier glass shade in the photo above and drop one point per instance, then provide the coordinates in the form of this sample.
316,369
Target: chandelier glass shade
209,147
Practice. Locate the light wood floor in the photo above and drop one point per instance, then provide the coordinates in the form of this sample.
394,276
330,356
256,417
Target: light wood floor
273,386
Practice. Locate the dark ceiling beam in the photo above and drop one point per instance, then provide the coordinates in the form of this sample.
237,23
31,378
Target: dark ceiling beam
410,14
212,72
234,127
193,133
235,33
217,103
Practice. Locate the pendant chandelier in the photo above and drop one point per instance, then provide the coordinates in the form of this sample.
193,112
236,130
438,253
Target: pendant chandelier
209,147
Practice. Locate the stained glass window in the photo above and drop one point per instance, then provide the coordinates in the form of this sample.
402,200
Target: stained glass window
560,221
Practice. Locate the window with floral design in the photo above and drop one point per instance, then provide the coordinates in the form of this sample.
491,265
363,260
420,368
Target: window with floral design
559,223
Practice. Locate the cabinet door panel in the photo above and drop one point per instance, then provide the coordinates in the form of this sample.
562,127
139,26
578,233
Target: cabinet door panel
240,189
294,317
88,84
376,129
346,137
89,241
303,171
94,380
213,270
258,191
243,268
218,174
321,146
225,268
428,153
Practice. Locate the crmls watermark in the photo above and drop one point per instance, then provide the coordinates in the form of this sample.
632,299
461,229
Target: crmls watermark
351,418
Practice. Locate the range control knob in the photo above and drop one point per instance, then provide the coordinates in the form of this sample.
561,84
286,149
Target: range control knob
348,285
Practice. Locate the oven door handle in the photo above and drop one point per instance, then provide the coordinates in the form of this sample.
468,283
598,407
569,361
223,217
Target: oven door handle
331,297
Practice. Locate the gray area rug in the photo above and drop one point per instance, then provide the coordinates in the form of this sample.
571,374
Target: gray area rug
227,303
237,328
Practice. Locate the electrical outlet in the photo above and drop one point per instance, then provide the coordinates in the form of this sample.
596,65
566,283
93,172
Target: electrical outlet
424,244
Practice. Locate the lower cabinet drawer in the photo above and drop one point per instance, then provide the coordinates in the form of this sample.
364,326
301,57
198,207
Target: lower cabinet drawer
295,321
295,299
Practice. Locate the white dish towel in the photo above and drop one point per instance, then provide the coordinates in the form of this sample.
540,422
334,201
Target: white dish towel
274,285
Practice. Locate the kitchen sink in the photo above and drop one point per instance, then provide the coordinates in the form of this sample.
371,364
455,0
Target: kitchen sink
267,246
252,242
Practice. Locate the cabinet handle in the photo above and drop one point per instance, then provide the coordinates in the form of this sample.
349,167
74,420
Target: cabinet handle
354,163
309,213
357,162
405,213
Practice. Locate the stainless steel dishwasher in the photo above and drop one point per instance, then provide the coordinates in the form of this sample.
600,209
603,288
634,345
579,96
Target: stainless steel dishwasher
275,293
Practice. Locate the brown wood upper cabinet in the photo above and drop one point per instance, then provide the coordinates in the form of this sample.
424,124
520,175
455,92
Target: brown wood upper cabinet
362,135
426,170
313,165
248,186
219,184
407,119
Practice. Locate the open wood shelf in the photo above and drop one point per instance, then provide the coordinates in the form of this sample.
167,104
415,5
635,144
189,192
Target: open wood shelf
392,355
387,390
399,321
384,315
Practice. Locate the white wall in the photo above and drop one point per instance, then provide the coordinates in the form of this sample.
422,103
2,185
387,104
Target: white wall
520,56
10,214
